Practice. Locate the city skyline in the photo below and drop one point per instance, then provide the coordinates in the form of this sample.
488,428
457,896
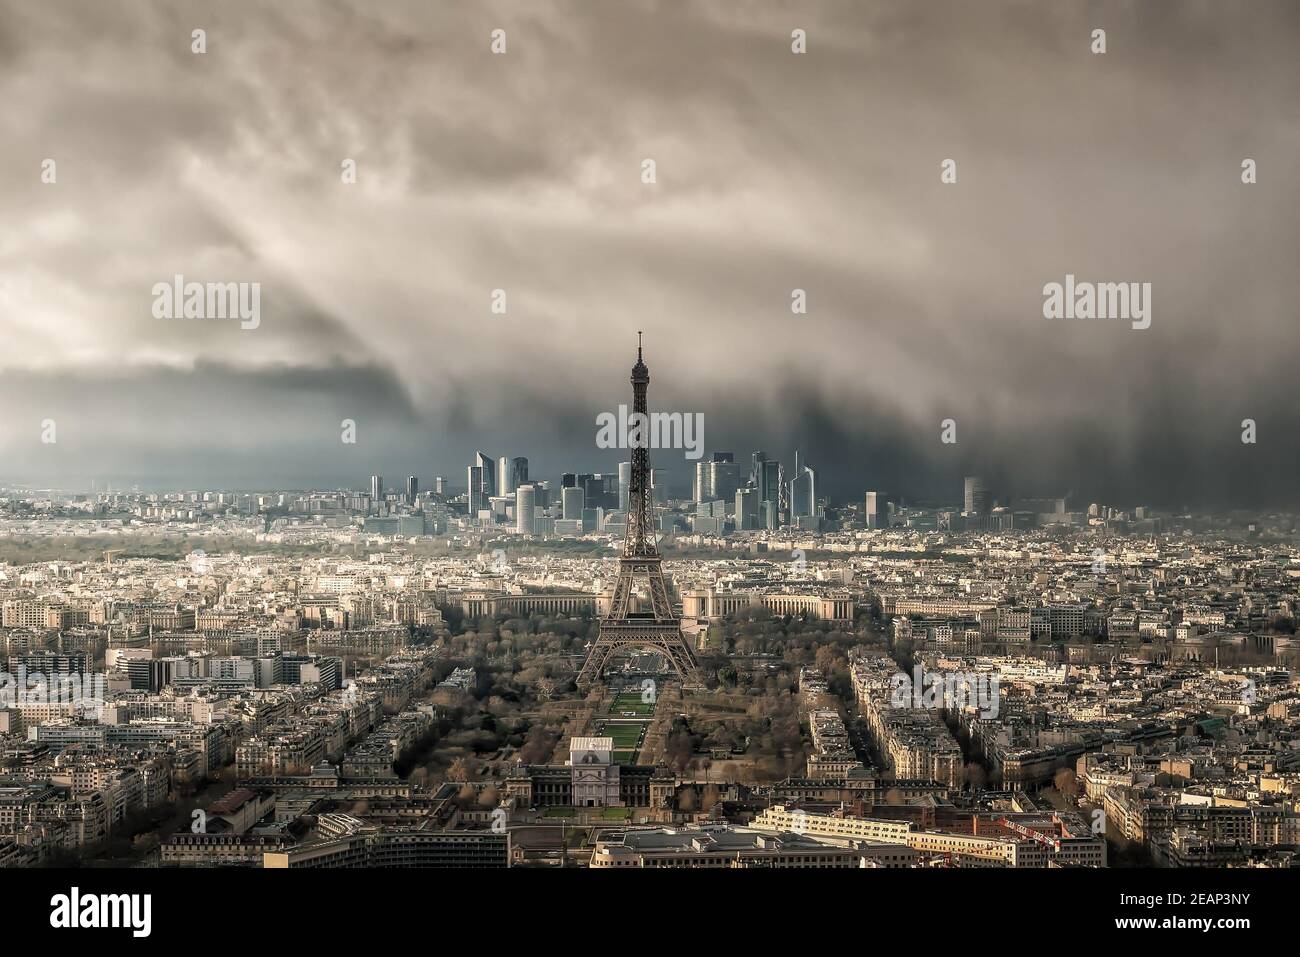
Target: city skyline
681,489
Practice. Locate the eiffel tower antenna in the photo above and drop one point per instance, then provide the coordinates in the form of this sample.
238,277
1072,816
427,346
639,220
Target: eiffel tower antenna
630,624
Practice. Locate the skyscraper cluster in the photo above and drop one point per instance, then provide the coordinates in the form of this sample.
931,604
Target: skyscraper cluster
764,500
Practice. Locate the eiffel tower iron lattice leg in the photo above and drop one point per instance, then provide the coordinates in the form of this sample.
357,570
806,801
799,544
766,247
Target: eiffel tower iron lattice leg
664,638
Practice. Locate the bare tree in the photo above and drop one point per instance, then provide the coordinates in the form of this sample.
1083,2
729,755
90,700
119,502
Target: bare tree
710,797
462,769
1066,782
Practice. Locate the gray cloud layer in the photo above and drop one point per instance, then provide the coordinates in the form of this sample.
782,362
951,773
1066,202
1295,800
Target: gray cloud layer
774,172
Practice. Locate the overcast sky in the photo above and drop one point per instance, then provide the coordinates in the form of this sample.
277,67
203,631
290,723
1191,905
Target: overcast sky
775,171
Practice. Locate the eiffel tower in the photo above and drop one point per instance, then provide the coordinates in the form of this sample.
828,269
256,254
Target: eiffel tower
635,622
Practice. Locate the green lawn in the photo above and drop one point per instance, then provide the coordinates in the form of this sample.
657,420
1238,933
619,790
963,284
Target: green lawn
624,735
631,701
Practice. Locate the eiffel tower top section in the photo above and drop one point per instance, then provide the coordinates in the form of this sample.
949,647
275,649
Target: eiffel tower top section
640,537
640,373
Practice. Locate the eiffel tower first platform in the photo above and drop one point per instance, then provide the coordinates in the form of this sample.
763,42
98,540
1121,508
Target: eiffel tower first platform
640,614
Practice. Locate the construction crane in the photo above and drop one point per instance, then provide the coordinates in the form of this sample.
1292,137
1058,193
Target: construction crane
1053,842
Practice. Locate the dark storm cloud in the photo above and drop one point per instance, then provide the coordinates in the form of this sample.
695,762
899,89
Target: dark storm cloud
153,424
775,172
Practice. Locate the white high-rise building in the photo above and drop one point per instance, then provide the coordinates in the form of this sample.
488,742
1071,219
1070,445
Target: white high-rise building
702,490
525,507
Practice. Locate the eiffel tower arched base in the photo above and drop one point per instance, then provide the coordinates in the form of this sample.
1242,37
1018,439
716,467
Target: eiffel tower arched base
664,637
